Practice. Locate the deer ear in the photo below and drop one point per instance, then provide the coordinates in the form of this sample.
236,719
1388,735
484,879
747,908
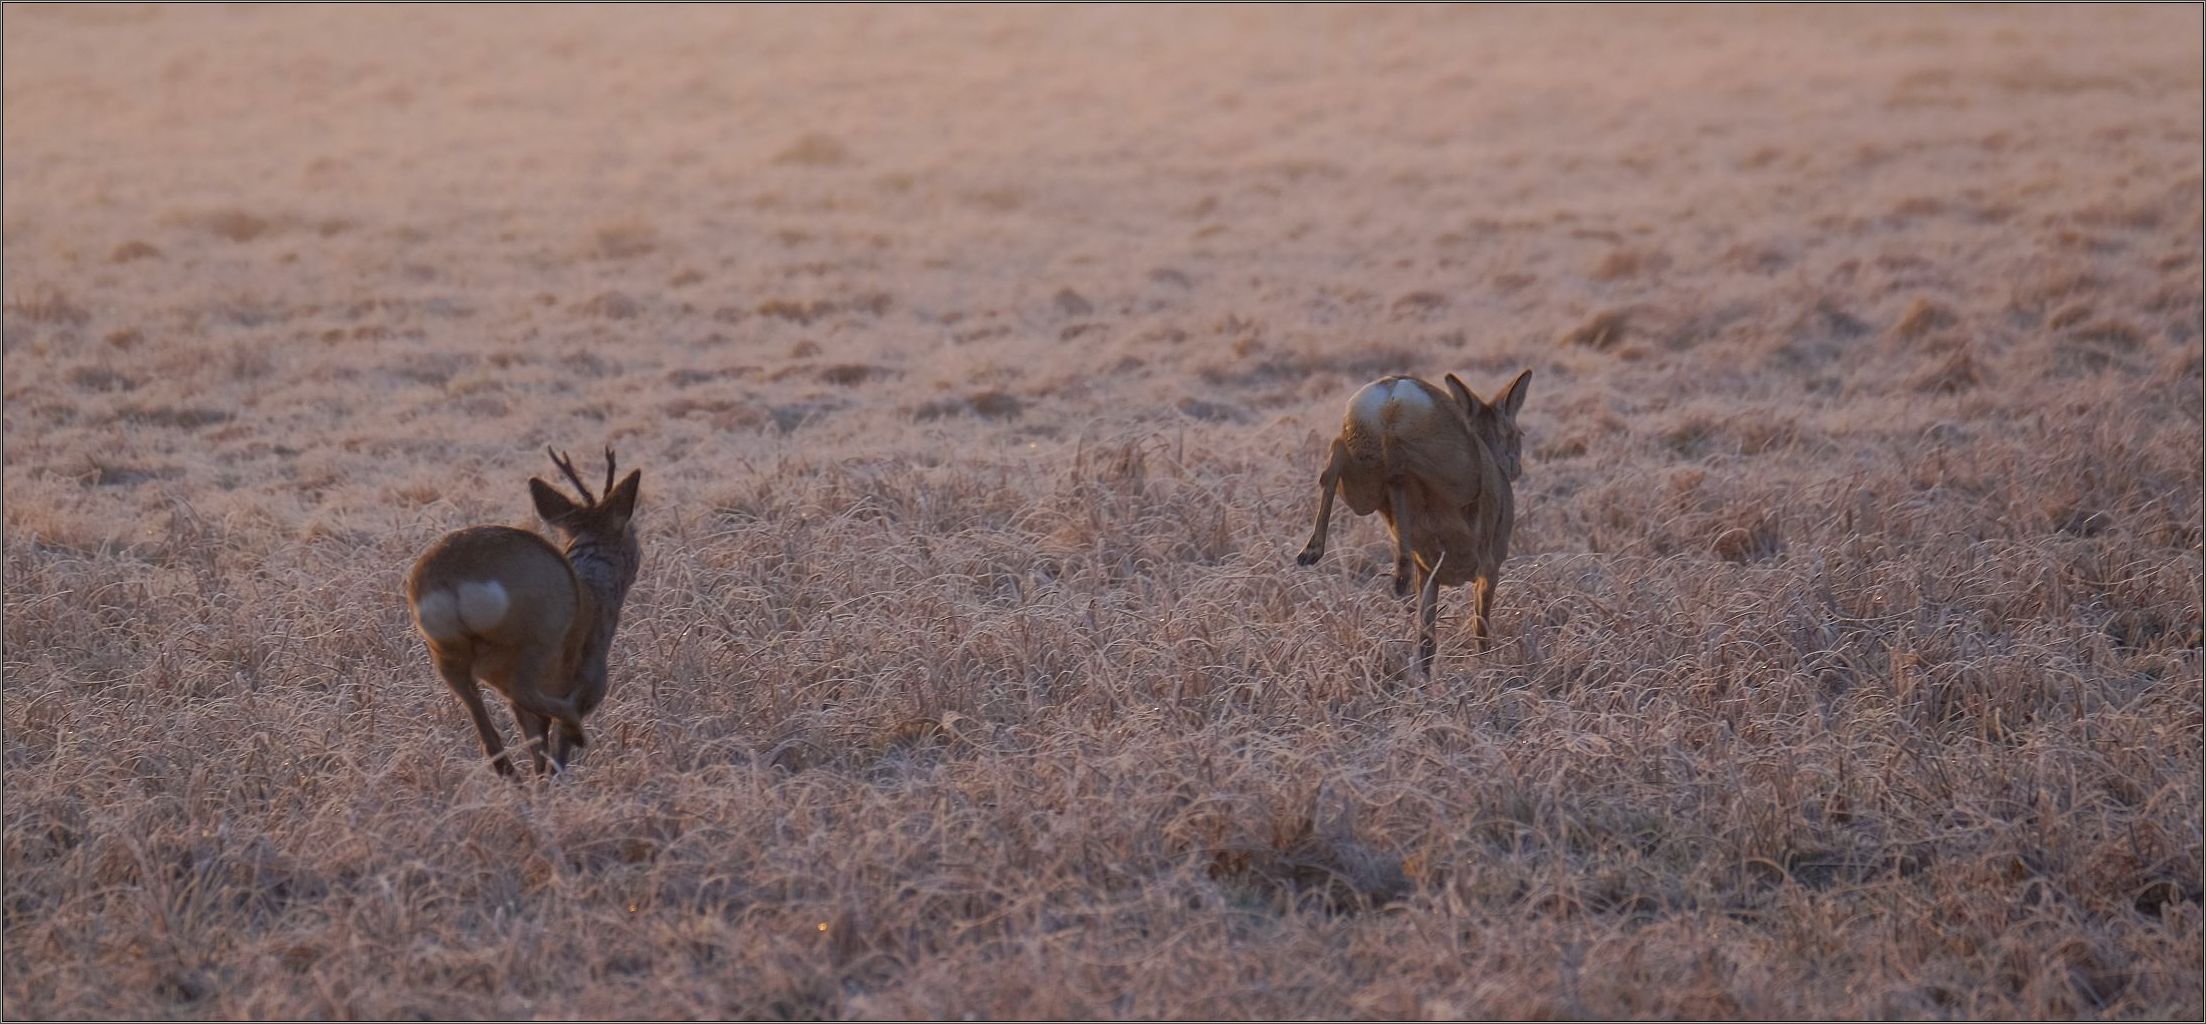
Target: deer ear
621,503
550,504
1464,396
1511,398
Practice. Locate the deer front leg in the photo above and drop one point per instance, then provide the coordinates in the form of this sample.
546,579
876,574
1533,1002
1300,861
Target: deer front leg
1428,611
561,750
565,740
1327,483
457,675
570,740
532,733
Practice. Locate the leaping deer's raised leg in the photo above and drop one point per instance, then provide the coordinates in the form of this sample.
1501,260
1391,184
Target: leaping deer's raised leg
1327,483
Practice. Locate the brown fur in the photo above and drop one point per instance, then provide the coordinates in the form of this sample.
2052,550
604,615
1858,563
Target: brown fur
1437,466
546,655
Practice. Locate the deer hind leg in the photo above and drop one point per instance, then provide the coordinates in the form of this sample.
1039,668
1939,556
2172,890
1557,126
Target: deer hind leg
1397,493
1327,483
564,739
558,730
589,693
524,676
1428,610
459,676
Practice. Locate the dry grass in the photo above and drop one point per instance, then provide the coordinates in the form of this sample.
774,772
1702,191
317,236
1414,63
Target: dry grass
979,369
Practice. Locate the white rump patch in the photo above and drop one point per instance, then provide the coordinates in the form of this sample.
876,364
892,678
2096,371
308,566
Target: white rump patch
438,612
1382,401
468,608
482,605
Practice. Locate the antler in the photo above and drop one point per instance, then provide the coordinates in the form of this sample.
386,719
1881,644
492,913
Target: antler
566,465
608,470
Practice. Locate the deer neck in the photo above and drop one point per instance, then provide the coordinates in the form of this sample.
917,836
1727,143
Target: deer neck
605,572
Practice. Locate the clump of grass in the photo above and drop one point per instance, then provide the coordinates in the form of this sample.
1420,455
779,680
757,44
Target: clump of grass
994,405
47,304
815,149
623,241
1603,331
1923,317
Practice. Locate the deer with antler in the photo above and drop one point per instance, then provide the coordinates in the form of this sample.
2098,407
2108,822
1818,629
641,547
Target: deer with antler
505,608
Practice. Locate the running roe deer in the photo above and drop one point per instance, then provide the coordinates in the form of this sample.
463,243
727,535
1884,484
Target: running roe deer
1437,466
505,607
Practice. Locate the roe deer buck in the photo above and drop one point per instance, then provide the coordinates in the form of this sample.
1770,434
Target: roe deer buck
505,607
1437,466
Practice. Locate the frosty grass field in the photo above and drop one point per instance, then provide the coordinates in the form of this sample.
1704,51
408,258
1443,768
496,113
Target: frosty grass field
980,364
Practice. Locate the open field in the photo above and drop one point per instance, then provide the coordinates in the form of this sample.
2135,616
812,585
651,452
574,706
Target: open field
980,365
